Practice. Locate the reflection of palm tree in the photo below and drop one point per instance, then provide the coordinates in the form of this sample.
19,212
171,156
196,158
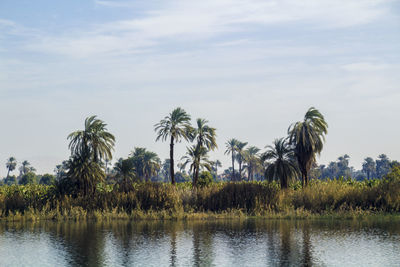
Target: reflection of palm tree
285,244
176,126
173,248
307,257
308,138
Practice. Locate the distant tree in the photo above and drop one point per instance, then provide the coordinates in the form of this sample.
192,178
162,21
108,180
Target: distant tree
382,165
205,178
182,176
61,170
231,146
165,170
11,165
282,162
196,157
10,180
25,168
205,138
28,178
215,165
240,156
47,179
145,163
369,167
307,137
343,166
175,126
125,172
253,161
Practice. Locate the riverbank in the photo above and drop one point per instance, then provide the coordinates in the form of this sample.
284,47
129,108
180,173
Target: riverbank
345,199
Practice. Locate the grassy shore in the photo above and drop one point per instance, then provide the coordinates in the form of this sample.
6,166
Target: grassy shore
345,199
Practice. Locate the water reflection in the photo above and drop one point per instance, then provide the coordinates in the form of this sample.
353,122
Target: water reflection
217,243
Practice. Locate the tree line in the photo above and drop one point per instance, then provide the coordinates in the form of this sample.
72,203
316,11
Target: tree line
287,159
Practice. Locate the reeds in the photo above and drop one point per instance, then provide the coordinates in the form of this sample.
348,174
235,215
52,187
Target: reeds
165,201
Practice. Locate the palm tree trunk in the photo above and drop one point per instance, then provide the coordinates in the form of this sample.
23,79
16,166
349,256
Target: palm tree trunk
233,167
8,173
196,176
240,170
171,157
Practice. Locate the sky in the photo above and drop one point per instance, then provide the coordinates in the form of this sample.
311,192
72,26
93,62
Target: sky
251,68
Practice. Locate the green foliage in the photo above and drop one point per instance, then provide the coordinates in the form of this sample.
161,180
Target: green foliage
205,179
47,179
308,138
28,178
253,198
10,180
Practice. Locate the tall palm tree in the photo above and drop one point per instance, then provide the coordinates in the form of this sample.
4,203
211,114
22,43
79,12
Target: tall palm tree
197,158
94,141
175,126
240,155
282,163
231,145
307,137
125,172
253,161
206,138
11,165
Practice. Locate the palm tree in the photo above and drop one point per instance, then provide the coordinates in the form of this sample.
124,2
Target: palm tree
206,138
125,172
368,166
175,126
94,141
307,138
253,161
151,164
231,145
85,173
25,168
282,163
216,165
11,165
146,163
240,155
198,159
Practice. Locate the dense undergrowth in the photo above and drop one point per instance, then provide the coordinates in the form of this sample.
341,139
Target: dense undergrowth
165,201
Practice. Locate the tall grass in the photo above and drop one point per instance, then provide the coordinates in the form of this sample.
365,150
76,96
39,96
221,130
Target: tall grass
158,200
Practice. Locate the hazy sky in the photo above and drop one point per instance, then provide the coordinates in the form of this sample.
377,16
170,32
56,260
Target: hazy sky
250,67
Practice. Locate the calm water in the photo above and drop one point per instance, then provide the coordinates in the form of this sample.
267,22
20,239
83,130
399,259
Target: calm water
222,243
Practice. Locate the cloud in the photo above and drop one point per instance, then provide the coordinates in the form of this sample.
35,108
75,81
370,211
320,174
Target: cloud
179,22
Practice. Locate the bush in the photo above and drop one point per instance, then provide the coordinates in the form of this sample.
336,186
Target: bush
29,178
205,179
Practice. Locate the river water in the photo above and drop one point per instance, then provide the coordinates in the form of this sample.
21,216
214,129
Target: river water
251,242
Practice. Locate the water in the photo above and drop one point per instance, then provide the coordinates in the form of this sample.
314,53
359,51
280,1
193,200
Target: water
221,243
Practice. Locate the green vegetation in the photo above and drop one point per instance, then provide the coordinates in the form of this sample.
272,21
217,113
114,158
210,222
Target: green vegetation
166,201
285,180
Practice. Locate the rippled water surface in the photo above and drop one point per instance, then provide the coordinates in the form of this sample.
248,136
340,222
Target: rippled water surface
220,243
